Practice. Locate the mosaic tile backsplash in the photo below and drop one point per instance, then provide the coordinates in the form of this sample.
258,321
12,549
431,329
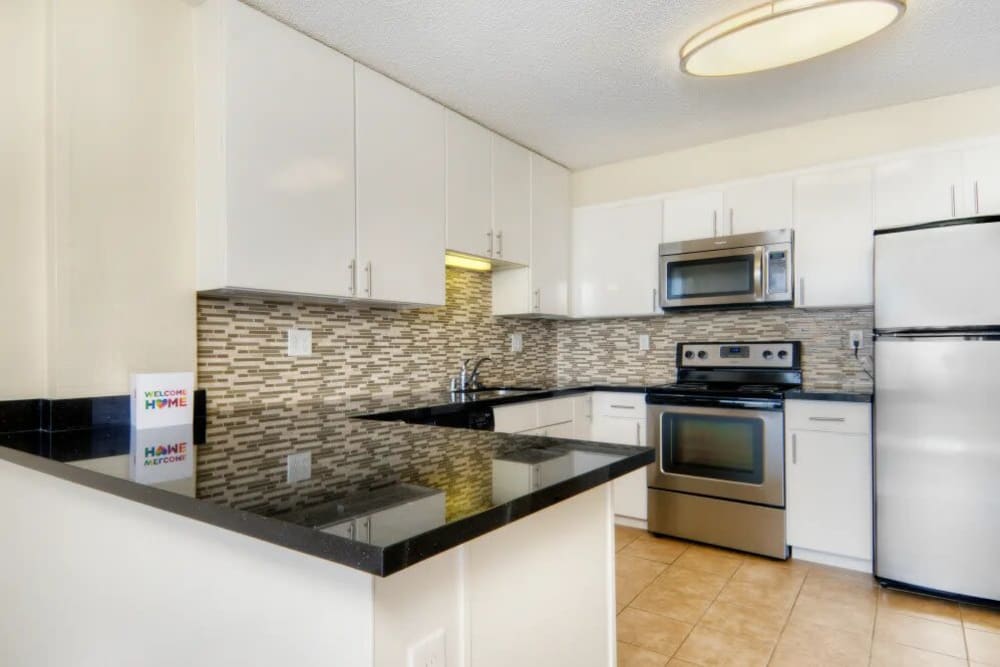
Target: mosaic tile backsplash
364,351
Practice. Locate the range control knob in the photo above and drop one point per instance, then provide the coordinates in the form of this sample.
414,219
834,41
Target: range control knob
768,354
782,354
702,354
689,354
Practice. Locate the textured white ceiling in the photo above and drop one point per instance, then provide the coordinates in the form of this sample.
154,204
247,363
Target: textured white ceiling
587,82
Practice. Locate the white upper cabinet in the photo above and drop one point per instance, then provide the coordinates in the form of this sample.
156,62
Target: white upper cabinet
615,259
918,188
833,238
511,201
692,215
550,236
470,186
761,205
275,155
401,192
982,176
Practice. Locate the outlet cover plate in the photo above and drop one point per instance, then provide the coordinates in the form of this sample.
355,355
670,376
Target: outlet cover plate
859,336
516,342
428,652
299,467
300,342
644,342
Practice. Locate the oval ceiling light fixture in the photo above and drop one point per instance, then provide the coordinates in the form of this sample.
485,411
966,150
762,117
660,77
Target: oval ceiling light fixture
783,32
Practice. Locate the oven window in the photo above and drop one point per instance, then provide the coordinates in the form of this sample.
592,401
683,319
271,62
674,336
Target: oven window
722,276
727,448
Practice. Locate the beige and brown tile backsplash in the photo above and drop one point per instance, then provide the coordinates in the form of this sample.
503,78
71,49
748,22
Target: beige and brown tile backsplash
362,351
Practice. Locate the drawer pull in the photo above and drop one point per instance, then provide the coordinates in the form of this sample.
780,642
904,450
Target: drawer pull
623,407
827,419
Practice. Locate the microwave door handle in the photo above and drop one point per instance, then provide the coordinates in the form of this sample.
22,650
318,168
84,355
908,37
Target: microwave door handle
759,273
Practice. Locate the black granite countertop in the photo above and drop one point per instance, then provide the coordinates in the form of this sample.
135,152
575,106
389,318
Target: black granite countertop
831,394
237,476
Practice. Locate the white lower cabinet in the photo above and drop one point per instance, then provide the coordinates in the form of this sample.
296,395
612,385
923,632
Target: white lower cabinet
620,418
828,468
390,514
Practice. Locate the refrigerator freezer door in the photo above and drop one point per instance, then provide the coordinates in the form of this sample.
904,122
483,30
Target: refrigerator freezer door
940,277
937,464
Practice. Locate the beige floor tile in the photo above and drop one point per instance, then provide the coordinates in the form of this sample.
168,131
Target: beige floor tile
632,575
887,654
934,609
693,582
846,589
775,596
842,574
705,646
984,647
806,644
677,662
670,603
758,622
625,535
651,631
766,571
854,617
981,618
662,549
633,656
919,632
710,559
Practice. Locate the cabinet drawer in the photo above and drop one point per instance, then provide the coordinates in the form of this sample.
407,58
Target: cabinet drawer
828,416
620,404
555,411
515,418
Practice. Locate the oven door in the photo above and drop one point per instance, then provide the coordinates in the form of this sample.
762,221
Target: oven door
720,452
715,277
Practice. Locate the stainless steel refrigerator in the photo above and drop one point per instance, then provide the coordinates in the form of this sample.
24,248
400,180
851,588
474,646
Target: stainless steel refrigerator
937,406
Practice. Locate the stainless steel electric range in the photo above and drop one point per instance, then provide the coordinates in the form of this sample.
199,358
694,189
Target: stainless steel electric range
719,436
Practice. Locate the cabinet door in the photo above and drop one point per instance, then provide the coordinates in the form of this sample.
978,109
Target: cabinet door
401,202
630,490
289,158
564,430
511,201
829,484
615,255
759,206
402,521
918,188
470,187
982,175
583,415
692,215
550,236
833,238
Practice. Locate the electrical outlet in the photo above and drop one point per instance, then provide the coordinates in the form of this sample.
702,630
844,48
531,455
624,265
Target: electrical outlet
300,342
516,342
857,337
299,467
644,342
428,652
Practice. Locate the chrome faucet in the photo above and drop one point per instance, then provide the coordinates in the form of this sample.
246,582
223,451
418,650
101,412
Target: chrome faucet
467,381
474,383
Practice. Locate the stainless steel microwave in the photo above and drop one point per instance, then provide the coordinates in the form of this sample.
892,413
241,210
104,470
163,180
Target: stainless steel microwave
727,270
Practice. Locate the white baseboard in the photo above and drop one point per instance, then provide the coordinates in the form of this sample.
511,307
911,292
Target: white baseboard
833,560
630,522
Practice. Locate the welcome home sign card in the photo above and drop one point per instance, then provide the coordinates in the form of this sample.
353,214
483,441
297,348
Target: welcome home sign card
162,399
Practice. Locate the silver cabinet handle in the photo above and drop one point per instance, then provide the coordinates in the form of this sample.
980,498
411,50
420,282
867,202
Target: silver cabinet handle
637,437
802,291
827,419
623,407
731,232
489,241
368,278
795,449
715,223
500,243
954,203
975,194
538,300
352,288
366,524
350,530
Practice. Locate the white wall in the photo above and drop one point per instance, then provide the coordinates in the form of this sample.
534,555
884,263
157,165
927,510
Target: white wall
938,120
122,290
89,579
22,200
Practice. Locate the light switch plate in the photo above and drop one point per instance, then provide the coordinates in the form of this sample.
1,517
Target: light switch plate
644,342
428,652
516,342
299,467
299,342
